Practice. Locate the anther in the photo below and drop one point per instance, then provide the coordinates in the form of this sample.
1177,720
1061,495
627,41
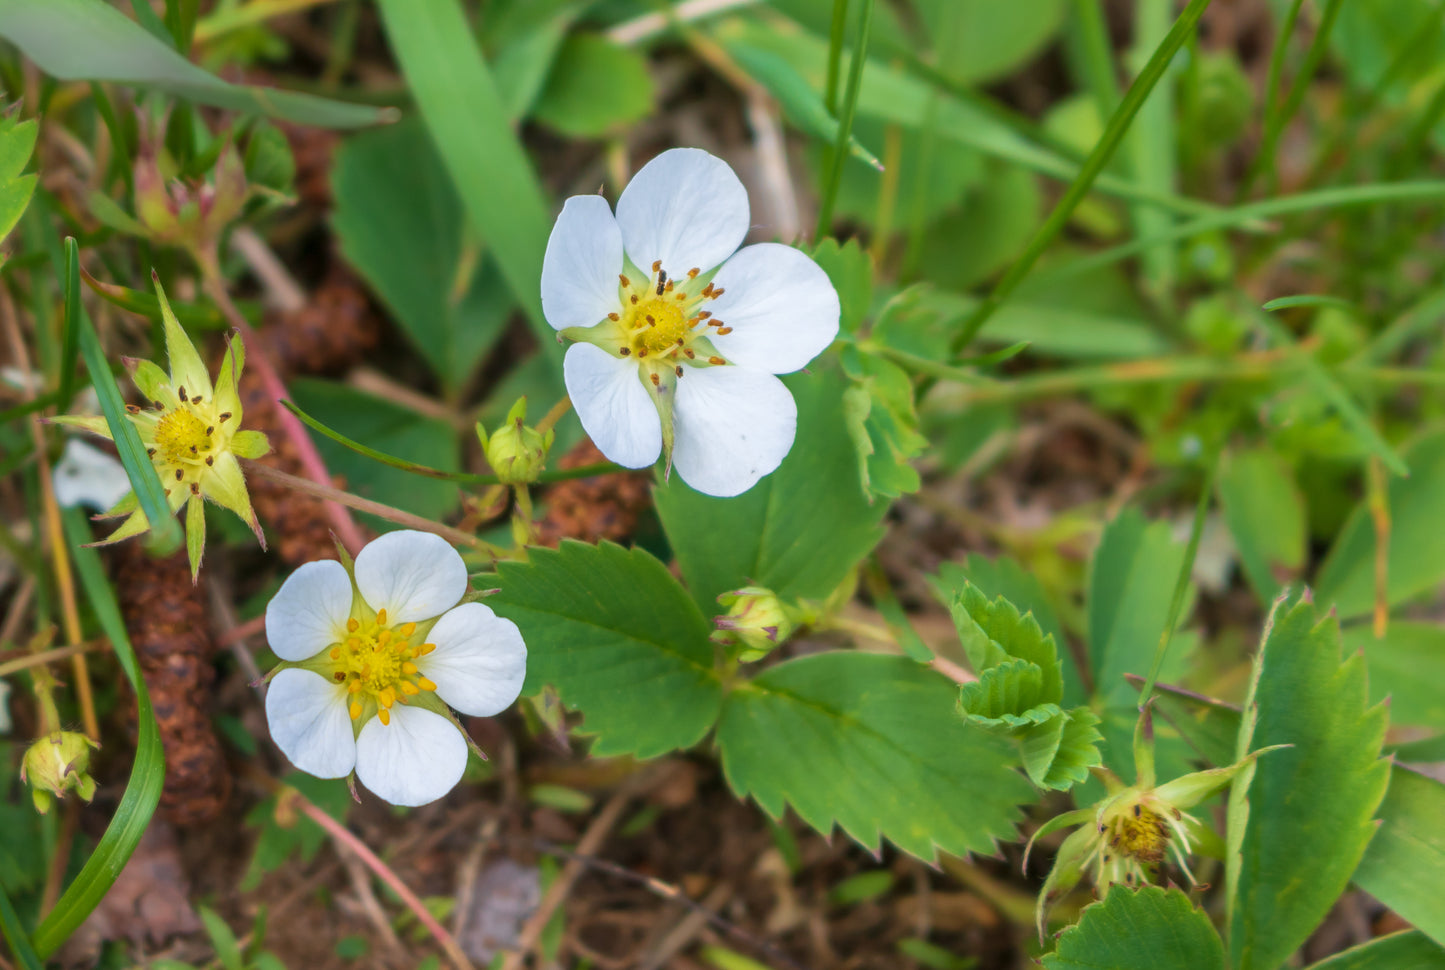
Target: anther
209,430
355,710
133,409
634,299
680,295
704,314
425,684
409,689
339,676
194,451
692,273
679,370
385,716
689,353
210,459
1138,811
425,649
225,415
625,351
723,330
641,352
407,629
650,322
181,391
150,452
352,625
707,290
656,381
657,266
614,317
626,283
408,667
180,474
717,292
662,283
717,361
195,488
381,617
335,653
668,288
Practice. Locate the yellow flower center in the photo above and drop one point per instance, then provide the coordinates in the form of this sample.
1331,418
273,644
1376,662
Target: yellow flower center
662,318
376,661
1139,833
658,324
183,437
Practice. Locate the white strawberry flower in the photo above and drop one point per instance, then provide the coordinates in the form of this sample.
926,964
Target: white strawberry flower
679,337
87,476
374,656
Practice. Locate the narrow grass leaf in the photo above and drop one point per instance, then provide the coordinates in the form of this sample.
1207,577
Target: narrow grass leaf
15,935
1410,950
90,40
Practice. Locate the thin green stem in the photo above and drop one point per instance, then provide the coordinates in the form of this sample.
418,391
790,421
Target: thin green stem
1181,585
845,121
1103,151
835,55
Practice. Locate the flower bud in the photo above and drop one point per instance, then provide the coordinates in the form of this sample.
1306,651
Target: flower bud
516,452
57,764
191,214
756,619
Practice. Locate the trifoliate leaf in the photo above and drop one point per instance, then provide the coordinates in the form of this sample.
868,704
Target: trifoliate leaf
620,640
1011,693
994,631
873,744
1139,929
1299,819
1058,752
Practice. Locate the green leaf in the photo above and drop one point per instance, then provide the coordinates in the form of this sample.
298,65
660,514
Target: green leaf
850,270
391,428
471,127
1058,753
1416,561
1007,578
296,838
147,775
1398,951
165,529
1265,512
90,40
1011,693
228,951
1131,582
982,40
883,424
619,639
871,743
401,224
595,87
800,103
17,142
1299,820
1404,866
799,532
1408,667
1139,929
992,631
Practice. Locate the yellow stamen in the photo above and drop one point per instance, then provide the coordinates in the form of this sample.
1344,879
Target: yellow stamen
425,684
355,710
385,716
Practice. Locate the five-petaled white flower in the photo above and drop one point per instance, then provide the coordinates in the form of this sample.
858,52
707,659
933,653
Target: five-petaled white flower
375,654
678,336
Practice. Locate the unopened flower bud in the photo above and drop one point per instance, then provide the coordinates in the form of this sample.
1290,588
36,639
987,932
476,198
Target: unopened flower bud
516,452
756,619
57,764
191,214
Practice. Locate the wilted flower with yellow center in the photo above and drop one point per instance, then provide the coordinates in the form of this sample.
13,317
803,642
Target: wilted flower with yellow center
1134,829
192,434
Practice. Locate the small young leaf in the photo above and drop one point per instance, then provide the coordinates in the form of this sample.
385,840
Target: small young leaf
871,743
619,639
993,631
1139,929
1299,819
1058,753
1010,693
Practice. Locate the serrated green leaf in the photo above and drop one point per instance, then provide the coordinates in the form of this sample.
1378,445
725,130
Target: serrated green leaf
1265,512
992,631
1131,583
17,142
401,224
619,639
80,40
1299,820
1404,866
850,270
1416,562
1407,665
1398,951
873,744
1058,753
1012,691
799,532
882,421
1139,929
1005,577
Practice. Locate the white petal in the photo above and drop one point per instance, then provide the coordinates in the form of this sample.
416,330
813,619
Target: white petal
480,660
310,724
733,427
87,476
309,611
781,306
615,409
583,260
686,208
417,758
412,575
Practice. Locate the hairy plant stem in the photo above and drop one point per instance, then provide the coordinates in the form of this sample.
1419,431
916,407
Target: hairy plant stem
341,521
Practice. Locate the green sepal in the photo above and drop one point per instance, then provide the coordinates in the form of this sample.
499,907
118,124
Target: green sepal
95,424
250,444
195,534
128,503
187,369
151,381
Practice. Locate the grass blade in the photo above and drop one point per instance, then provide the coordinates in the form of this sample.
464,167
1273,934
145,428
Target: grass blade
165,530
89,40
845,121
469,122
15,935
142,792
1114,133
